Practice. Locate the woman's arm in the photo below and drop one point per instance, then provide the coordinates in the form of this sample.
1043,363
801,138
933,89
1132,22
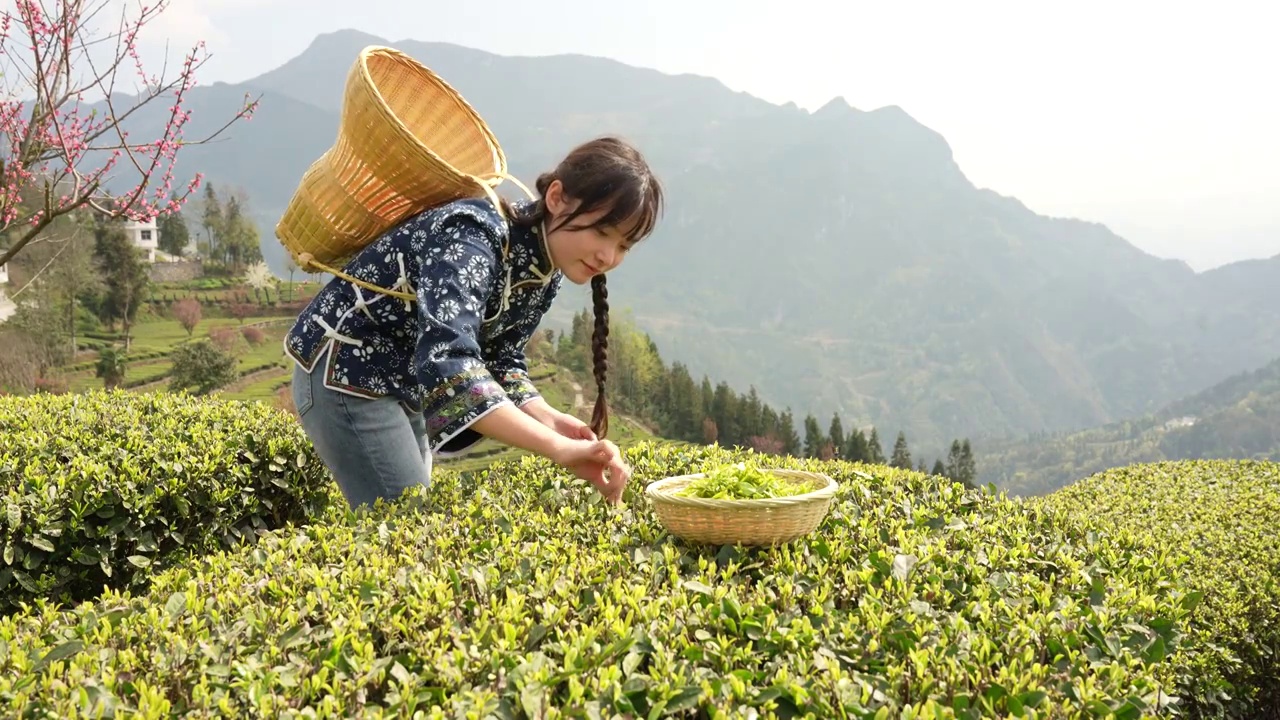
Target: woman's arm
540,410
510,426
562,422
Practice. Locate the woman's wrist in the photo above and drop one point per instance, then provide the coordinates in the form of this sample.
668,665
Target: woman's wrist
540,410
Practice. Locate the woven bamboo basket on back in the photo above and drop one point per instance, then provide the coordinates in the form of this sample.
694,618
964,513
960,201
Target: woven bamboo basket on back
768,521
407,141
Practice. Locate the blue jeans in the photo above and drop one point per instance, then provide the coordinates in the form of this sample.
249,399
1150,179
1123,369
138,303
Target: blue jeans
374,448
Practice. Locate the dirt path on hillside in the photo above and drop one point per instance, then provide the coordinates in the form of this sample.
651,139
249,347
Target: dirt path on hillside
577,395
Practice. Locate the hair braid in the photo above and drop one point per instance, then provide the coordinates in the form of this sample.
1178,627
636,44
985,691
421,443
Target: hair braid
599,347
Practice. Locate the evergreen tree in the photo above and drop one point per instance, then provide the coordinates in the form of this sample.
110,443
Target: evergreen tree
769,423
967,470
836,434
240,241
212,219
901,455
174,235
787,433
125,276
750,415
953,460
708,397
875,451
938,469
724,410
686,411
813,437
855,447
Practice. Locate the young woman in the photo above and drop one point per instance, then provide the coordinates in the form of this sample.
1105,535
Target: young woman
382,383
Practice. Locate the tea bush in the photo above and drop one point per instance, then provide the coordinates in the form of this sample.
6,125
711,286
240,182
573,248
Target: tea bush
1219,522
107,488
515,592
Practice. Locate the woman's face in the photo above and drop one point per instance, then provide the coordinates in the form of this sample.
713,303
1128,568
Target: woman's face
577,249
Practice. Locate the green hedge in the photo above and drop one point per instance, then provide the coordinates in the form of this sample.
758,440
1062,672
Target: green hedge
517,593
107,488
1218,523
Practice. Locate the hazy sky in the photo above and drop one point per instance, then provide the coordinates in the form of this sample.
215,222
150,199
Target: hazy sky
1161,121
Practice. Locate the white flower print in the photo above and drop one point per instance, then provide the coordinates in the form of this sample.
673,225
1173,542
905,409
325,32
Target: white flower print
474,274
454,252
521,255
448,310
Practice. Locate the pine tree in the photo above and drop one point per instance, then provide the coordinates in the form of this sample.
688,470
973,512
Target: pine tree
708,398
212,219
938,469
968,473
813,437
125,277
901,455
787,433
875,451
724,410
953,460
750,414
836,434
855,447
174,234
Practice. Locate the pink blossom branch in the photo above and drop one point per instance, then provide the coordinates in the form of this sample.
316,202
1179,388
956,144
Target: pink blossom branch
46,149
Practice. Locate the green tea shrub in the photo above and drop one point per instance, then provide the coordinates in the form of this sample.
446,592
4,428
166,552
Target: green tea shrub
107,488
515,592
1218,523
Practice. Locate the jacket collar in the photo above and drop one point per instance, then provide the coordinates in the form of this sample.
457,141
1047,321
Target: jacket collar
528,255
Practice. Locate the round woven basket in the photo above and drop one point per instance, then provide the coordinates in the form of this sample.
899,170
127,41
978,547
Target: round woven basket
407,141
767,521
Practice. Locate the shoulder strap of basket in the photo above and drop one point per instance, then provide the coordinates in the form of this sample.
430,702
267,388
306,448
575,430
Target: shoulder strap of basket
308,260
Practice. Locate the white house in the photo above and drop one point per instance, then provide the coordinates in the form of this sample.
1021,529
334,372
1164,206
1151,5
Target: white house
145,236
7,308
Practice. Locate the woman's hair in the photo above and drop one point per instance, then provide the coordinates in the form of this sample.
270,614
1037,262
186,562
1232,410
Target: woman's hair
606,173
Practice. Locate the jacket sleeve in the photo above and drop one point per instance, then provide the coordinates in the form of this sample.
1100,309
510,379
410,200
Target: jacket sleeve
504,356
455,281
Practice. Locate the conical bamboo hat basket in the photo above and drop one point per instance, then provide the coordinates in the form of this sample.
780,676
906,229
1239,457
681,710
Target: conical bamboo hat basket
407,141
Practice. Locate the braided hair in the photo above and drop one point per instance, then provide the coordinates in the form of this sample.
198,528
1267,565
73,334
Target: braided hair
607,173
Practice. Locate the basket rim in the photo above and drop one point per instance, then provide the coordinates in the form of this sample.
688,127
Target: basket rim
656,491
366,75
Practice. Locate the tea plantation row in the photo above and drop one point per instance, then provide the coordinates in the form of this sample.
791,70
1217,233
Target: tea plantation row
1144,592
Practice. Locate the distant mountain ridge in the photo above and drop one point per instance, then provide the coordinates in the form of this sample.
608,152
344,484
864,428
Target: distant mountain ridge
839,261
1236,418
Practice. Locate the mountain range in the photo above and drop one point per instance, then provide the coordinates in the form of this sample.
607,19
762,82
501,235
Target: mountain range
1236,418
836,260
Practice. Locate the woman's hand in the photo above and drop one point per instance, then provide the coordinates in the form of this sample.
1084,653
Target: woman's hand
563,423
597,461
571,427
591,460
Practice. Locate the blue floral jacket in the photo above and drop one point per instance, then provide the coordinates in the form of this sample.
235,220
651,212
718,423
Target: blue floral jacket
458,352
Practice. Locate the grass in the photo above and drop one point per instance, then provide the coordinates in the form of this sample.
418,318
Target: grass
163,336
